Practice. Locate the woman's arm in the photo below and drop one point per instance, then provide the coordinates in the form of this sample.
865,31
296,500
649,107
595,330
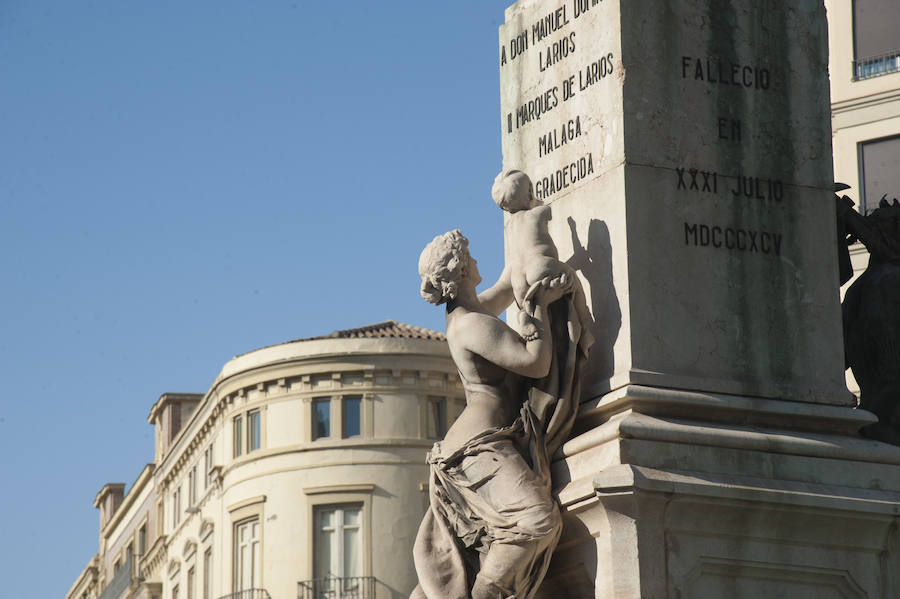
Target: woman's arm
499,296
493,340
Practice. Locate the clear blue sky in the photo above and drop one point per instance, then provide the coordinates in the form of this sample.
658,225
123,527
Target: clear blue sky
181,182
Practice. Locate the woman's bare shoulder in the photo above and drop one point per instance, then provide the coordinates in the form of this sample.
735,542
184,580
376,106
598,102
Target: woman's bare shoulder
484,335
473,319
476,325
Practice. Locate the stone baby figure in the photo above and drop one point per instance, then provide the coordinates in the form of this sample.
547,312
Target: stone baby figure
533,259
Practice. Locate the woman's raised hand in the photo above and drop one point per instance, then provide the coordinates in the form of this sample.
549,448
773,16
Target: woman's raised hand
553,288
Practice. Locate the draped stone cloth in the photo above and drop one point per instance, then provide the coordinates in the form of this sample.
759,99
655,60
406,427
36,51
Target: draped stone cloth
496,488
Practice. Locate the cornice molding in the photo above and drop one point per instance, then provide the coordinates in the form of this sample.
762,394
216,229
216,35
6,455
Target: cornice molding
861,102
246,502
174,567
206,528
189,548
287,386
346,488
155,556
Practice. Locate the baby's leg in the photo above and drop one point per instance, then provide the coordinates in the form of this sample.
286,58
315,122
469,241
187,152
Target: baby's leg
539,268
542,267
519,285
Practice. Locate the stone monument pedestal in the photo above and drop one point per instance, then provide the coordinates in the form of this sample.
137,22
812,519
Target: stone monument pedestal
684,495
684,148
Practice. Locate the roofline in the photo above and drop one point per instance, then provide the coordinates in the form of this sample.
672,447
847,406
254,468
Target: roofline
330,347
222,377
91,565
135,490
165,397
426,334
104,490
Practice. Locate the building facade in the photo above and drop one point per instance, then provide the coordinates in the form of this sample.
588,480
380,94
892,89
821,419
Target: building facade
864,66
299,473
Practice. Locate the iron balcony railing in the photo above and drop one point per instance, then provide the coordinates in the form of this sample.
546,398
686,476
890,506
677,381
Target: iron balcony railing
873,66
248,594
337,587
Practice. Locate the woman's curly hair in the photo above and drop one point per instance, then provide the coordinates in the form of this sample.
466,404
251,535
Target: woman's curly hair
442,265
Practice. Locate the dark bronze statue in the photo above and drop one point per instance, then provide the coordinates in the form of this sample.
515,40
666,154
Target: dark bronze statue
871,312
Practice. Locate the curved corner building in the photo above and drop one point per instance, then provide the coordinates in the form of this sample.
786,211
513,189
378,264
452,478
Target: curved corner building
300,473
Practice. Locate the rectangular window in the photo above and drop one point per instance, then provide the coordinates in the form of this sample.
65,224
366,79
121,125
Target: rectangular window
176,507
207,466
321,418
246,555
253,430
338,544
207,574
238,436
116,566
142,539
175,592
350,418
876,46
879,171
436,418
129,552
192,488
160,518
191,581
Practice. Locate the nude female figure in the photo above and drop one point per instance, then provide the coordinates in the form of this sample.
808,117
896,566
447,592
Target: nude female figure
492,522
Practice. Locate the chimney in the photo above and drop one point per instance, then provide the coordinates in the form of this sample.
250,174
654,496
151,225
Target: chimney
108,500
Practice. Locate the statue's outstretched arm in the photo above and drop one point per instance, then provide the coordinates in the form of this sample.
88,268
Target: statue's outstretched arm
499,296
491,338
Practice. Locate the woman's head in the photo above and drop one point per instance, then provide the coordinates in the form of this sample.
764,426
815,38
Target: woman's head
442,265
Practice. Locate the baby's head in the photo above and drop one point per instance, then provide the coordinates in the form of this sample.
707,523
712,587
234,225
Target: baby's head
512,191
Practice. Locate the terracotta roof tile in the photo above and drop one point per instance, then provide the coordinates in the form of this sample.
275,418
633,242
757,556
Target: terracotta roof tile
388,328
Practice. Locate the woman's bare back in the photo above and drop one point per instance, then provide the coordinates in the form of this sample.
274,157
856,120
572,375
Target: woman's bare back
488,401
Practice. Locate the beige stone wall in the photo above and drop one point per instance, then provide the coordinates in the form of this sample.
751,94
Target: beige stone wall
121,531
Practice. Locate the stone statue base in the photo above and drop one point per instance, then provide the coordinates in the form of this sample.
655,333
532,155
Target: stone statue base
694,496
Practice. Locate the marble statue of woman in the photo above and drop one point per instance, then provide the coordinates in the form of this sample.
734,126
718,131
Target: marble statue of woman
492,523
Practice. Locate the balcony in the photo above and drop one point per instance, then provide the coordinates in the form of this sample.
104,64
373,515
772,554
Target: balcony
121,581
334,587
873,66
248,594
